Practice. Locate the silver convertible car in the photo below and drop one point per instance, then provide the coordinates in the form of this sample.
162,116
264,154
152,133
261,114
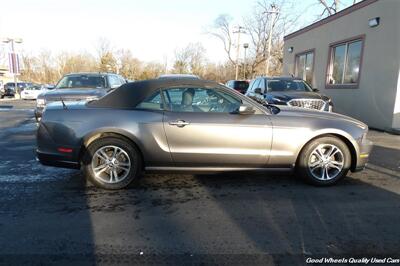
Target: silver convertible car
196,126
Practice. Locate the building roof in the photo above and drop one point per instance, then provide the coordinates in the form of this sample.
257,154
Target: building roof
339,14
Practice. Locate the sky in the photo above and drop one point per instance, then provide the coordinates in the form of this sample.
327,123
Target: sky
151,29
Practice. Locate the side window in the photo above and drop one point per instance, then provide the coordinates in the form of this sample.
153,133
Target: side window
200,100
154,102
114,81
251,85
261,85
121,80
256,84
305,66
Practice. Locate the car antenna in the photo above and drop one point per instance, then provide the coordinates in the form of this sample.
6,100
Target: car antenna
63,103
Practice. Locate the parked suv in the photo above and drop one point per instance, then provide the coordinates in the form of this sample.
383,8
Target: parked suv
9,88
288,91
79,86
238,85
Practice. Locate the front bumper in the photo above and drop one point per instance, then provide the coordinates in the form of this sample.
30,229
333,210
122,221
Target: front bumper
363,156
39,113
8,93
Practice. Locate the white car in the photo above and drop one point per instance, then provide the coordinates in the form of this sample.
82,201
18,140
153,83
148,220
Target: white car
32,92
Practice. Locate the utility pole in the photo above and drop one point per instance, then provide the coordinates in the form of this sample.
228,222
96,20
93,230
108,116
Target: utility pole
245,46
274,11
14,64
239,31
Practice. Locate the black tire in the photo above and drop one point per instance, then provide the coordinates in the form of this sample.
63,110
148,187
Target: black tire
303,161
131,151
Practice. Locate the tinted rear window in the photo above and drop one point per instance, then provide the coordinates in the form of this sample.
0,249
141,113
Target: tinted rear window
287,85
241,85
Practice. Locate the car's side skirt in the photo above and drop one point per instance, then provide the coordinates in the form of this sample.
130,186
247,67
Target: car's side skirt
213,169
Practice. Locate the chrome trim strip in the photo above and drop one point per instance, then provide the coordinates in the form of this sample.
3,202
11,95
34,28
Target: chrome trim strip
213,169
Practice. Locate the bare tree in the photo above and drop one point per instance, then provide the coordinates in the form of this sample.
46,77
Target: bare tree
151,70
181,62
80,62
30,68
190,59
257,29
331,7
223,30
128,66
105,52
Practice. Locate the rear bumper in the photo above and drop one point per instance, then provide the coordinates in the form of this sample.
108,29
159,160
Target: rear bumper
56,160
50,153
363,156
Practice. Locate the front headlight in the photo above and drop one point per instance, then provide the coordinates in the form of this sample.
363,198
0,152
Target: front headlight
40,102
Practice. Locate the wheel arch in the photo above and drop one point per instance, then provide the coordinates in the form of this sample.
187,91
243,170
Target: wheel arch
347,141
93,136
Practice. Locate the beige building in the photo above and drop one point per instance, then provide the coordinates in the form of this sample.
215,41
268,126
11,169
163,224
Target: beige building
354,57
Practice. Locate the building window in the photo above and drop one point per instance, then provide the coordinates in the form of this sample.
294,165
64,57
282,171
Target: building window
345,63
305,66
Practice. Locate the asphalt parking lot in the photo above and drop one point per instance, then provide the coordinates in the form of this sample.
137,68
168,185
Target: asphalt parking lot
52,215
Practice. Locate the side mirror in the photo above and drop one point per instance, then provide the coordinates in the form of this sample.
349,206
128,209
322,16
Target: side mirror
114,86
315,90
245,110
258,91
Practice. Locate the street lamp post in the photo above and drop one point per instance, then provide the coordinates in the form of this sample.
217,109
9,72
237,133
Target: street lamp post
239,31
12,41
274,11
245,46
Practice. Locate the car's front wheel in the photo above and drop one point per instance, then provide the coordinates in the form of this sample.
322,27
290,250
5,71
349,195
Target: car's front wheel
324,161
111,163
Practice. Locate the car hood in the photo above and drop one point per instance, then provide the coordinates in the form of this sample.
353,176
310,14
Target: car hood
73,94
302,112
289,95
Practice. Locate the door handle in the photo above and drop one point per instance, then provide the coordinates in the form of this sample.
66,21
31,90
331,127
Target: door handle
179,123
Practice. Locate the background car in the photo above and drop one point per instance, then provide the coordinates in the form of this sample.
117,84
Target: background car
33,91
79,86
209,128
9,88
238,85
288,91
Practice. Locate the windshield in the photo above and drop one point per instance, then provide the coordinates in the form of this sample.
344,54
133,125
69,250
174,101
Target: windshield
34,87
288,85
82,81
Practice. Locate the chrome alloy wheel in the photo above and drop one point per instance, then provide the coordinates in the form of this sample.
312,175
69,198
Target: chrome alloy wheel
326,162
111,164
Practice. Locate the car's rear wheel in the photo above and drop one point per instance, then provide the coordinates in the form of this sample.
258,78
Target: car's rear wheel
111,163
324,161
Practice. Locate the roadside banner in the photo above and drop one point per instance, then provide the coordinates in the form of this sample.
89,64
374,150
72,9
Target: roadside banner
13,61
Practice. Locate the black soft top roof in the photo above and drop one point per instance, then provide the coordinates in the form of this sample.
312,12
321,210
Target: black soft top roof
131,94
